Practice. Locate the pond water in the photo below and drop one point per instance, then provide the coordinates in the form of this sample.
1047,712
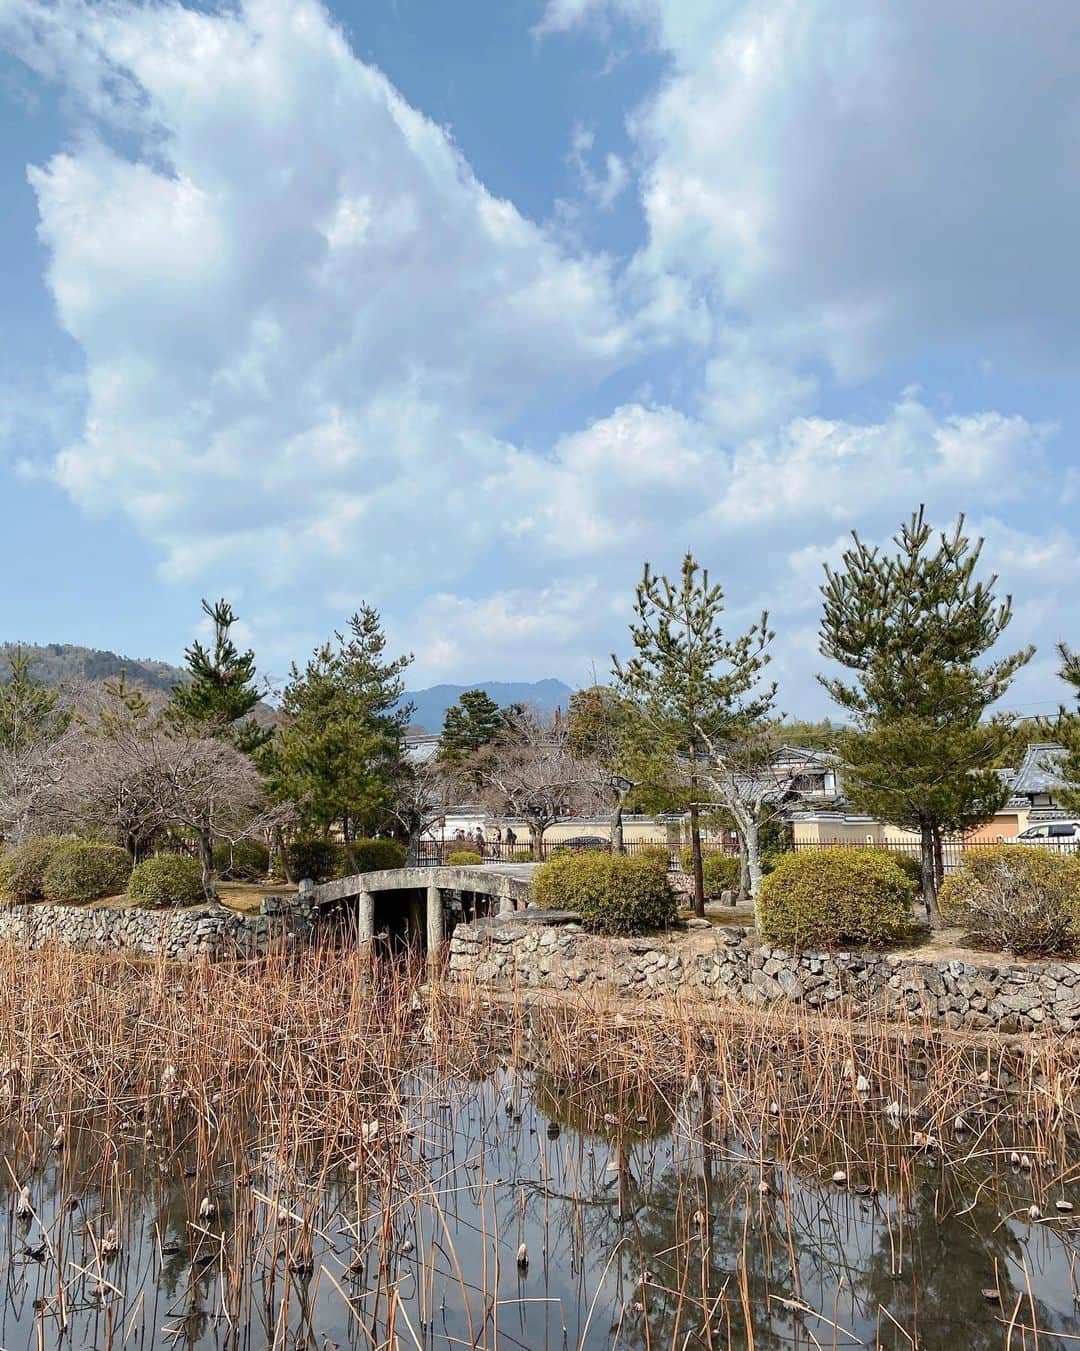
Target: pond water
636,1226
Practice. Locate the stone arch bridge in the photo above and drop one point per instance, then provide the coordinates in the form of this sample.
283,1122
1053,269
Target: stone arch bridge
420,905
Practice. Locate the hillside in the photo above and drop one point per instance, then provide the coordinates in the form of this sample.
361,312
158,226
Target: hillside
68,664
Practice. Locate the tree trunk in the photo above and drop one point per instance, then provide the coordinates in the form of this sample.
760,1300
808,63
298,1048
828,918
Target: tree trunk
346,836
617,846
412,848
744,870
206,862
753,862
695,838
939,859
278,851
929,872
536,838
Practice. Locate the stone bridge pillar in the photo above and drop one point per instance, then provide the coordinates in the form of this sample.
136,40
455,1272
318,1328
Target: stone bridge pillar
434,923
365,917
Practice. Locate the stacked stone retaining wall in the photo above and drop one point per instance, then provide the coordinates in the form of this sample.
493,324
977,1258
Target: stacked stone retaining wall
211,931
730,964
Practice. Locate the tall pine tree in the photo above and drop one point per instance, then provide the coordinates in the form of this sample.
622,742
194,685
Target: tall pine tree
340,752
220,694
912,625
473,723
690,681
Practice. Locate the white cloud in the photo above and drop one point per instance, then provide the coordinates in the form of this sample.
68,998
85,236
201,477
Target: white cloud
309,331
849,178
303,318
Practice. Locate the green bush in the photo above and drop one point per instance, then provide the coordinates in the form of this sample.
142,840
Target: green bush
464,858
244,861
721,870
1017,898
22,869
910,862
318,859
374,856
835,897
613,893
166,880
659,852
85,872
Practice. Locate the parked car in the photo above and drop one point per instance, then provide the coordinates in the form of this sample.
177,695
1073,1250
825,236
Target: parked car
582,843
1054,833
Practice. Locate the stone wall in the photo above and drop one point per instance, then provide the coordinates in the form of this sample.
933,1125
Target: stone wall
727,964
212,931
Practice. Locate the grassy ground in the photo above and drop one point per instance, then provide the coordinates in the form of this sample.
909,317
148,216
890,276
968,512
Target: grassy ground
245,897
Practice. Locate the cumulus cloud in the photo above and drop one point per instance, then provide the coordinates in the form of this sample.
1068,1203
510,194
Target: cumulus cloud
312,336
301,313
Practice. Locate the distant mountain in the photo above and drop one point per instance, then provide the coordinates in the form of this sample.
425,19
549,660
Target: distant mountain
431,704
66,664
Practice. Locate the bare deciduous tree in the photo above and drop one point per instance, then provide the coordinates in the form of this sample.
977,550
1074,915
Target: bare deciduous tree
531,773
752,785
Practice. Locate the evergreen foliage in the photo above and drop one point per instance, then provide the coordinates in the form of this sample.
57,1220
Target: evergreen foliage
474,722
691,681
912,625
340,752
167,880
78,871
31,726
613,893
22,868
829,898
219,695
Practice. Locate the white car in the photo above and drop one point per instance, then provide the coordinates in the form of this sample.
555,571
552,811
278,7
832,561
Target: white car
1063,834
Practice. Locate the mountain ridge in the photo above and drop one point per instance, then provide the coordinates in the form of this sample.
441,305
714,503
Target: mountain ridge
70,663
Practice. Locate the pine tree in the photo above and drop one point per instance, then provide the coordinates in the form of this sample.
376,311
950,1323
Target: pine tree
470,725
220,694
690,681
340,752
1067,730
912,626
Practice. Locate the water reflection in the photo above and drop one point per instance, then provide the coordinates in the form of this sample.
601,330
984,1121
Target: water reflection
524,1211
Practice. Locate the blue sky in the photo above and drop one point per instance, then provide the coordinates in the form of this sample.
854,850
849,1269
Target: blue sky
468,310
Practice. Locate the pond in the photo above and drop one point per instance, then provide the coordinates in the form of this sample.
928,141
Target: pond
511,1211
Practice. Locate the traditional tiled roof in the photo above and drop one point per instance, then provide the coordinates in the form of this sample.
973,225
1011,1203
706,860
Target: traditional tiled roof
1040,770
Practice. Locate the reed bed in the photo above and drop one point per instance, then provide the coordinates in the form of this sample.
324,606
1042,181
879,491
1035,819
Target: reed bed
316,1150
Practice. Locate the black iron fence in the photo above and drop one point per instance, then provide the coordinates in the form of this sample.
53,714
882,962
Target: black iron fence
434,853
952,851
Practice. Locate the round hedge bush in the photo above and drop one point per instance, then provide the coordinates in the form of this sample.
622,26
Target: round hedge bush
1023,899
374,856
85,872
720,870
613,893
464,858
317,859
835,897
166,880
22,868
244,861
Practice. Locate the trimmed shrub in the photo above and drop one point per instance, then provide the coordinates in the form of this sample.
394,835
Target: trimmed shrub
244,861
22,869
835,897
1015,898
318,859
721,870
85,872
166,880
660,853
374,856
911,863
613,893
464,858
